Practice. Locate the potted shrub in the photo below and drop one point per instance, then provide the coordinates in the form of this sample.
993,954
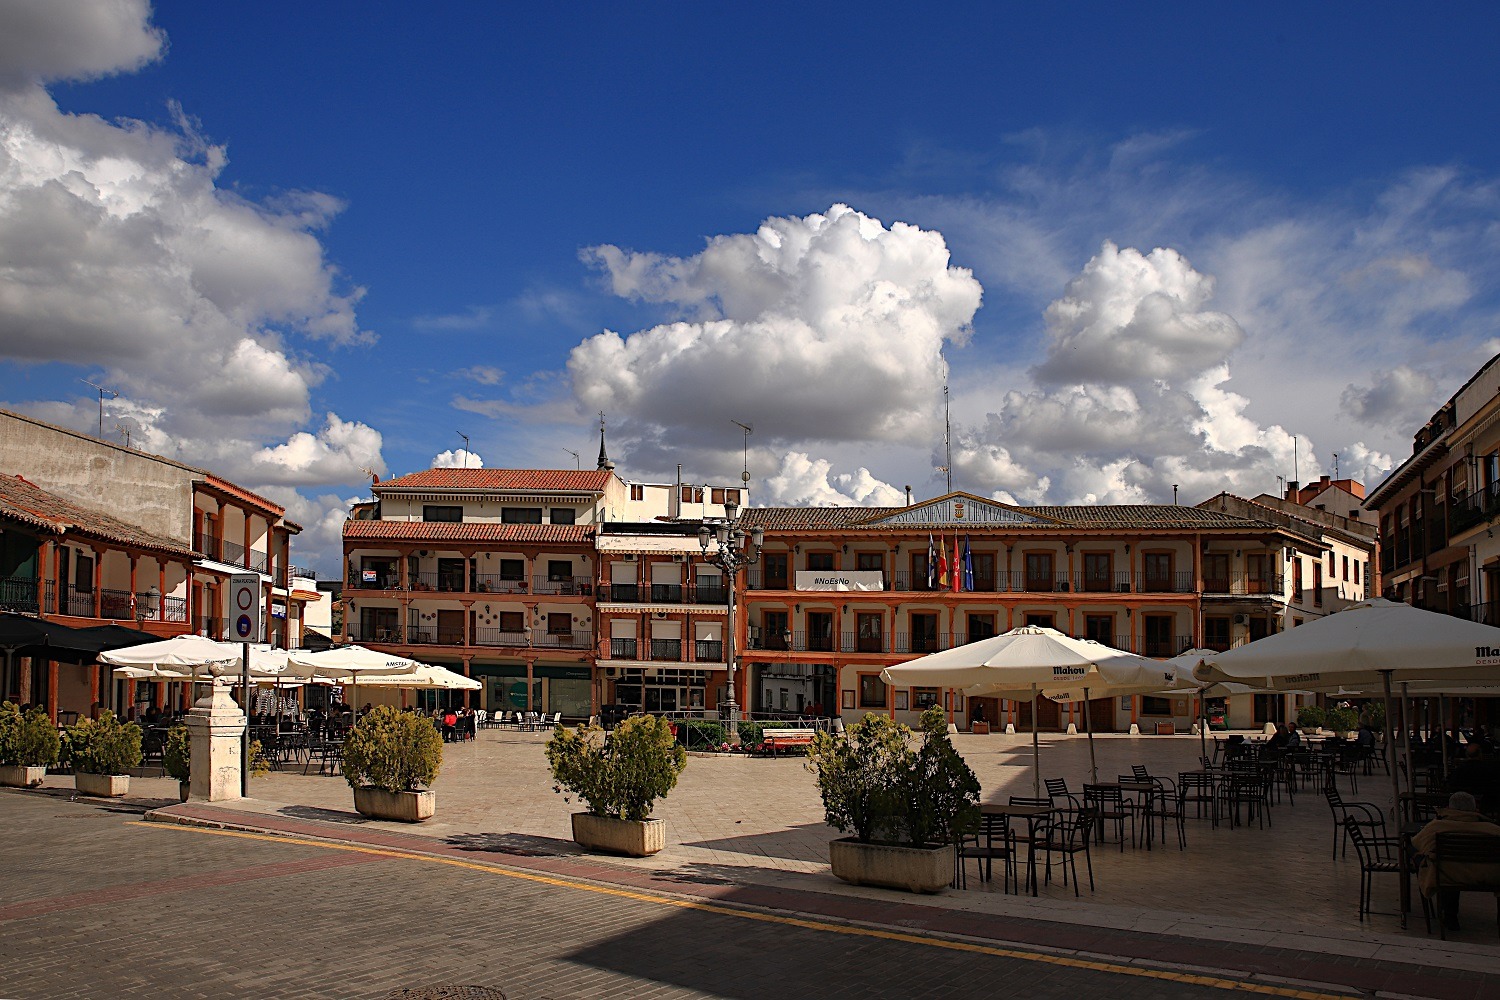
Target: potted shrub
907,807
176,758
619,777
1311,717
1342,721
29,744
101,752
388,759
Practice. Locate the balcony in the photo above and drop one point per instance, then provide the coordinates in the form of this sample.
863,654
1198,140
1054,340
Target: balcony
852,642
373,579
707,590
1112,582
622,649
370,632
207,544
668,650
562,640
563,586
1178,582
19,594
499,637
1245,585
667,593
708,650
494,583
214,628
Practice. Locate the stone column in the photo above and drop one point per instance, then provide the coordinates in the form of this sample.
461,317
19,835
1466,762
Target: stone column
215,725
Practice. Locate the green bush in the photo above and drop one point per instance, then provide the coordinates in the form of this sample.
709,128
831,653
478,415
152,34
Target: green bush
1342,720
876,786
693,733
1311,717
391,750
176,756
30,740
620,775
1373,715
105,746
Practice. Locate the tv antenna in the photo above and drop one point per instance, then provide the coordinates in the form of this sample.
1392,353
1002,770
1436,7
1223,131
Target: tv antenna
1335,465
947,441
125,431
102,391
745,475
577,460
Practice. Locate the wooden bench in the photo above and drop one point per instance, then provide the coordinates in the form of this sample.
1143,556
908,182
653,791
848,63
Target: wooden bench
775,739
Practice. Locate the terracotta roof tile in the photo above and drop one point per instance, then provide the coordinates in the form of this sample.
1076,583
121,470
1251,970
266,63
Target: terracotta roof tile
440,531
1121,516
240,493
569,480
28,503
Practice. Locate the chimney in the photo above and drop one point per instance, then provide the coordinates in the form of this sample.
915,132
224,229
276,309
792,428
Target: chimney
1291,490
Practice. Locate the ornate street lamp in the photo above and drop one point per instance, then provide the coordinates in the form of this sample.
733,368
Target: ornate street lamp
735,548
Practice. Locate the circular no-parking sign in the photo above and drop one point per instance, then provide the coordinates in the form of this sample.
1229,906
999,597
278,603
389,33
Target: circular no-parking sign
242,626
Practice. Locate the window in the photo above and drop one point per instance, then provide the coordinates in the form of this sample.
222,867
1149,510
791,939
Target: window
1216,572
1317,584
1159,638
637,491
442,513
560,624
1038,571
869,562
732,496
563,515
924,633
1041,619
871,691
1356,571
1100,628
512,569
521,515
83,574
559,569
981,626
1158,570
1097,574
984,570
925,698
723,496
1332,573
820,560
1346,567
1216,632
691,494
512,621
870,631
1156,706
1297,579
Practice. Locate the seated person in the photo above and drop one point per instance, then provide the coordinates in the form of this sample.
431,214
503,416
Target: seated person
1365,737
1293,737
1280,740
1461,816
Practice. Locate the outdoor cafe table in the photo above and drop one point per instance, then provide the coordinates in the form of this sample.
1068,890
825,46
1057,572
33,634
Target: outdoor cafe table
1030,814
1145,803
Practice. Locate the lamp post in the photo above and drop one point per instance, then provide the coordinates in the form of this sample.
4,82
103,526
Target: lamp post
735,548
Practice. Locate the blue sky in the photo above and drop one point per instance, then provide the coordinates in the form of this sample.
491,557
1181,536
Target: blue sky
1143,247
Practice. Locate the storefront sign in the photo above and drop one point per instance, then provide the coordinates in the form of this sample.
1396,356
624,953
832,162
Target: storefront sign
859,579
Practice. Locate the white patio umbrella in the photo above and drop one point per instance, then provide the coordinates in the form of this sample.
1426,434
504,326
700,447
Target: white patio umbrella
1375,642
426,675
1119,674
1021,664
347,665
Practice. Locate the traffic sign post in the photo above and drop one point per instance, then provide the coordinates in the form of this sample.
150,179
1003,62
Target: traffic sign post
245,622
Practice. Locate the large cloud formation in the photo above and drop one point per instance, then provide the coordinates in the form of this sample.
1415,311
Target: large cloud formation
831,325
118,250
1130,401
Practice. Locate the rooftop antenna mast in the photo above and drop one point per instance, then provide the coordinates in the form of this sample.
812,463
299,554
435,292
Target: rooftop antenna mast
102,391
467,450
1296,469
745,476
577,460
1335,465
947,440
125,431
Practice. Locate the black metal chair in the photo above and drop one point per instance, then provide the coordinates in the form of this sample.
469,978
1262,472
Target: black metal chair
1197,787
1057,788
992,841
1366,815
1106,804
1377,855
1248,787
1068,835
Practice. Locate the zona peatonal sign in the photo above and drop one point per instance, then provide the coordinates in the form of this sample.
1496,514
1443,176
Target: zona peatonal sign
244,607
828,579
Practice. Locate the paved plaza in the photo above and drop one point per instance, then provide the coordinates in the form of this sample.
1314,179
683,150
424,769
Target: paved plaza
493,892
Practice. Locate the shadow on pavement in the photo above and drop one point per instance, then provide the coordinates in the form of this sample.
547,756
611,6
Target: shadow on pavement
519,844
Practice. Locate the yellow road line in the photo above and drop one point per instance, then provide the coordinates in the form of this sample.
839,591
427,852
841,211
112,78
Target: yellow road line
804,923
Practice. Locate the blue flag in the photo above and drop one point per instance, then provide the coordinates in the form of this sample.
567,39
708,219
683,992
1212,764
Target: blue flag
968,566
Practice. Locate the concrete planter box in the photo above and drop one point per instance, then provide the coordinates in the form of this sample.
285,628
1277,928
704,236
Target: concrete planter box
637,838
106,786
915,869
21,776
407,807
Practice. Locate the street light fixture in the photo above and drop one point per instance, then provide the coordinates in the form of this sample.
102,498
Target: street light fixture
735,547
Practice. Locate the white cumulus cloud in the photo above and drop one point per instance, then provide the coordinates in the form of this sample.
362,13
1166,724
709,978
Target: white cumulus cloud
830,324
804,481
457,459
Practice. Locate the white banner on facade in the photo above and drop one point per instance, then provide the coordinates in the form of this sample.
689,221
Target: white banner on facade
858,579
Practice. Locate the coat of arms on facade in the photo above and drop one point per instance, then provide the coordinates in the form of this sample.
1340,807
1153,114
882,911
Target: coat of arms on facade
958,510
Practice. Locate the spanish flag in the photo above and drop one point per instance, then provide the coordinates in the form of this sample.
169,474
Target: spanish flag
942,566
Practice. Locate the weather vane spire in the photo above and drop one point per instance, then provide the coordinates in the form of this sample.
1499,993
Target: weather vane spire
604,462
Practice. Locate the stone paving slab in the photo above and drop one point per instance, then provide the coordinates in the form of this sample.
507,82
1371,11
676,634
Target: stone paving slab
1301,959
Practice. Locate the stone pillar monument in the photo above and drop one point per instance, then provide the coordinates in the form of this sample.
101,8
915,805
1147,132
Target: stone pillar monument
215,725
